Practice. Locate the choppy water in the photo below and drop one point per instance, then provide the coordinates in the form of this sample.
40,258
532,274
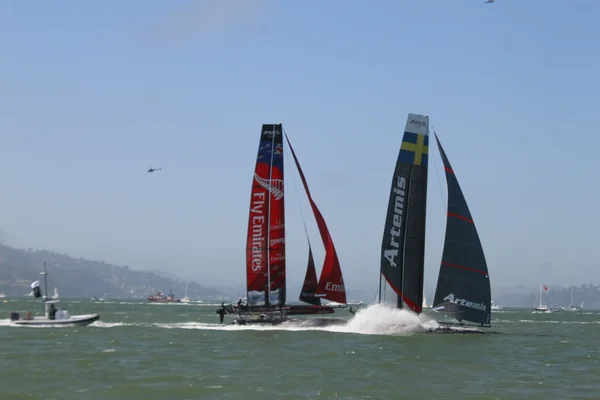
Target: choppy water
150,351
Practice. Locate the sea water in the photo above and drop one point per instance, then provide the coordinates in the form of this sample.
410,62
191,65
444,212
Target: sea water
142,350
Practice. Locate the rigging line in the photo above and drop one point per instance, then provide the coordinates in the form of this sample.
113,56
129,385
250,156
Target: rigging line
437,174
287,151
444,202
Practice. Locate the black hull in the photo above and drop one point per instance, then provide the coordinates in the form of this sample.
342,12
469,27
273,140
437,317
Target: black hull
287,310
453,329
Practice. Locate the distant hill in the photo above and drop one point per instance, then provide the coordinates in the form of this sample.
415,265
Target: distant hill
78,277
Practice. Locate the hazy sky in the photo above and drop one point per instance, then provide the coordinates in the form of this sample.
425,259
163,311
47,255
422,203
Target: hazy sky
94,93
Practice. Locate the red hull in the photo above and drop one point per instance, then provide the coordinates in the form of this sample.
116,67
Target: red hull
164,300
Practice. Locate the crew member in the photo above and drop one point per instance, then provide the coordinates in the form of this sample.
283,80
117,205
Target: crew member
221,312
52,311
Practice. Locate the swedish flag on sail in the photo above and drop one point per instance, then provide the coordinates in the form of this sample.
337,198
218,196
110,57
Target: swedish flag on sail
414,149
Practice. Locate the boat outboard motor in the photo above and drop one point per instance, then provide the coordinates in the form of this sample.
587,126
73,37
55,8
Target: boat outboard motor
62,314
14,316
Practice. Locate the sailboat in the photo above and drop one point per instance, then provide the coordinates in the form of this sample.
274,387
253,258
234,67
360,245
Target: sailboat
496,307
463,288
266,297
425,305
186,299
540,307
55,296
573,307
52,315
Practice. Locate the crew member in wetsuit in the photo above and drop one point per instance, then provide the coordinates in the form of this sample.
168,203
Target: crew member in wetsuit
221,312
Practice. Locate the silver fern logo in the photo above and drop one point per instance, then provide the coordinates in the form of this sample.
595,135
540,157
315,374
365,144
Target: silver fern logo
273,186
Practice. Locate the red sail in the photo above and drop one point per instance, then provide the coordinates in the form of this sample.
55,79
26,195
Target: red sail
309,288
265,246
331,284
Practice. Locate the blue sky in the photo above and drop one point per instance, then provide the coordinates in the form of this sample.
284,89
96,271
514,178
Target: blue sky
92,94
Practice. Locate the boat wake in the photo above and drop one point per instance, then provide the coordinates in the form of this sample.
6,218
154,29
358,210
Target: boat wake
371,320
384,320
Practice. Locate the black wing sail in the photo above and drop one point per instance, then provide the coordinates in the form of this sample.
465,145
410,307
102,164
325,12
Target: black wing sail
463,288
403,244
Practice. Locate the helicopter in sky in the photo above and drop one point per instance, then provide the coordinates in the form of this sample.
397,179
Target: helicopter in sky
154,169
488,1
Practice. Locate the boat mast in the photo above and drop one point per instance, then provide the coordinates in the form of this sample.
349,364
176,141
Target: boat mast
268,238
45,282
571,296
400,301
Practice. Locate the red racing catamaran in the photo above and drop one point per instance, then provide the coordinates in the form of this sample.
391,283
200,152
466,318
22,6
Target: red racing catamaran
265,245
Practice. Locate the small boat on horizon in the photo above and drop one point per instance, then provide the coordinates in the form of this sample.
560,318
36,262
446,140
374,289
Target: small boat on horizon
573,307
540,307
186,298
425,305
159,297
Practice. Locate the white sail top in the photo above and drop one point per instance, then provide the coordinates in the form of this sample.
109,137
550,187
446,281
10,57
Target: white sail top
418,124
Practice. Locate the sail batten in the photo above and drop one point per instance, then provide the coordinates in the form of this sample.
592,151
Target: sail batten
463,260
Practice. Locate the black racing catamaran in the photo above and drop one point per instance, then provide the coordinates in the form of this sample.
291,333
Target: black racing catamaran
463,288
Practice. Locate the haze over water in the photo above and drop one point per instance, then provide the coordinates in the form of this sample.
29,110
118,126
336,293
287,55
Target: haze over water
177,351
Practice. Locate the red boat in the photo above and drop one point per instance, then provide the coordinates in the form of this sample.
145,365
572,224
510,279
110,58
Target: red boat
266,287
160,297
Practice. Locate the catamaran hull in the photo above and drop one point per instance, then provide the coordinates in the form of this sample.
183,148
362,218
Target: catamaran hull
454,329
287,310
258,322
75,320
309,310
308,322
